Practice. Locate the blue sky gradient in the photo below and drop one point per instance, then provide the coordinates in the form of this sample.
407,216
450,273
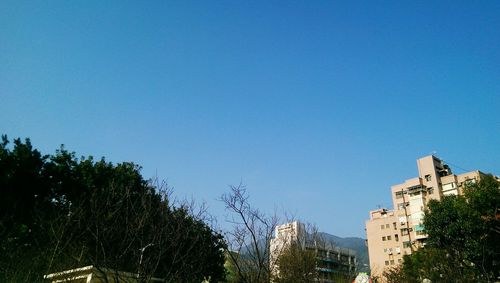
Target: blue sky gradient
318,107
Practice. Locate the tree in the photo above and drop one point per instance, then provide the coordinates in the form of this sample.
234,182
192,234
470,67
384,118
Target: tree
19,170
59,212
427,263
297,264
465,227
393,275
248,241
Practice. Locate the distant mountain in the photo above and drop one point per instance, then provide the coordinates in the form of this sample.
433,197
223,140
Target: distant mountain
354,243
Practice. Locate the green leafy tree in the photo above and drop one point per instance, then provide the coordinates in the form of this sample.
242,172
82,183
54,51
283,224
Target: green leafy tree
296,264
464,227
428,263
20,169
59,212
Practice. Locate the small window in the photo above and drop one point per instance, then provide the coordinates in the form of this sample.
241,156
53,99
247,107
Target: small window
469,182
396,237
388,238
387,225
399,195
402,220
386,262
406,244
382,227
394,225
383,238
392,261
428,177
430,190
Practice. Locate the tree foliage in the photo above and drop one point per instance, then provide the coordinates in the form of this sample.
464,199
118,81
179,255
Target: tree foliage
466,228
59,212
428,263
296,264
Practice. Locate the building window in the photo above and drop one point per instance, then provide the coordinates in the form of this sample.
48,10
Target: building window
383,238
382,227
386,262
404,231
406,244
430,190
396,237
403,204
398,249
402,220
399,195
428,177
387,226
469,182
392,261
394,225
420,229
388,238
399,260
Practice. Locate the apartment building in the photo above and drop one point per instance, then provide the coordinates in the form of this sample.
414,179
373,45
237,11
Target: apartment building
392,233
332,261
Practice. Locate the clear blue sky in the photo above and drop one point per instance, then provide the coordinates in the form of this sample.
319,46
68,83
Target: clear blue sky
317,106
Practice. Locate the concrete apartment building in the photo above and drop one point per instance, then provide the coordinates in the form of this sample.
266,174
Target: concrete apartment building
394,233
331,260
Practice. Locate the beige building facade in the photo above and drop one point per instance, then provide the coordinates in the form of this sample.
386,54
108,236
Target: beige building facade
393,233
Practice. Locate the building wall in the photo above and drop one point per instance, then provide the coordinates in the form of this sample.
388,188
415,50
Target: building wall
385,243
404,224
